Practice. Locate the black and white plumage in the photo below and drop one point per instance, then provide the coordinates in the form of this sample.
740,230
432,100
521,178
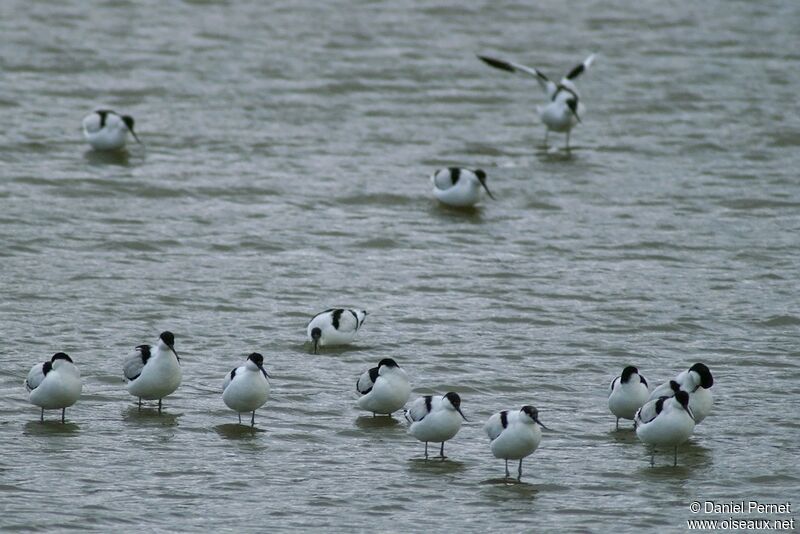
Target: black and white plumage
459,187
628,392
246,388
384,389
435,419
666,421
334,326
54,384
564,107
153,372
514,434
697,382
105,129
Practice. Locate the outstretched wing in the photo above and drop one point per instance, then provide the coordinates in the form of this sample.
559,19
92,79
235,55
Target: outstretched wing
133,365
579,69
509,66
419,409
37,374
367,380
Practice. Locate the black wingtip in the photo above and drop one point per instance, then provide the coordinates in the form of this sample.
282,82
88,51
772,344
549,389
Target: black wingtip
497,63
577,71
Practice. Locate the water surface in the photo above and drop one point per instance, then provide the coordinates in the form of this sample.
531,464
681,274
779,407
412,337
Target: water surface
287,149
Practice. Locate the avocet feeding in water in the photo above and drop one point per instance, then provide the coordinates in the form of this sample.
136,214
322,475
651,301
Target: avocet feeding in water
384,389
154,372
108,130
564,108
514,435
459,187
335,326
435,419
697,382
246,388
667,421
627,394
54,384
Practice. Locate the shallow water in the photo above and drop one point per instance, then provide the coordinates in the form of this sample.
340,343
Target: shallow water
285,167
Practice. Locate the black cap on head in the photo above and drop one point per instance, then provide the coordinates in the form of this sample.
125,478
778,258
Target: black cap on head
60,356
388,362
316,333
256,358
533,413
168,338
627,372
480,173
454,399
706,380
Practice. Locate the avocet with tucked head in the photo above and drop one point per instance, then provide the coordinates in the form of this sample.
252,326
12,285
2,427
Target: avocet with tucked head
435,419
627,394
564,109
384,389
335,326
667,422
154,372
54,384
697,382
108,130
246,388
514,435
459,187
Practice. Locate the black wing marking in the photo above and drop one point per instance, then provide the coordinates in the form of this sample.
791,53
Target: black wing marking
37,374
366,381
337,314
575,72
132,368
613,383
355,316
579,69
455,174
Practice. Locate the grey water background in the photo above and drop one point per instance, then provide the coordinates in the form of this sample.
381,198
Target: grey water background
287,149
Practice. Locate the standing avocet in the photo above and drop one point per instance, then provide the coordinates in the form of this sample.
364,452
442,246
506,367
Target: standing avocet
246,388
153,372
384,389
627,394
435,419
697,382
459,187
108,130
514,435
335,326
54,384
564,109
667,421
